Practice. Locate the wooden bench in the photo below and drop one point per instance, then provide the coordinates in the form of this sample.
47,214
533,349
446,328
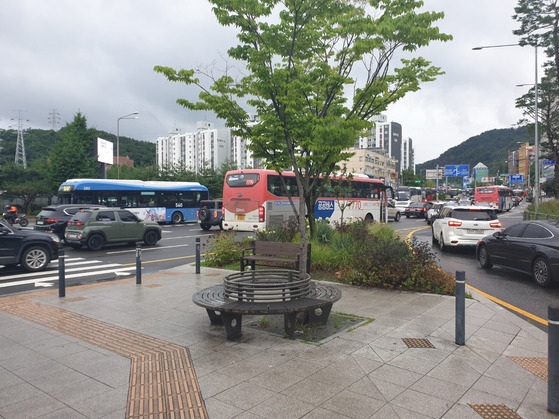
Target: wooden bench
226,303
274,254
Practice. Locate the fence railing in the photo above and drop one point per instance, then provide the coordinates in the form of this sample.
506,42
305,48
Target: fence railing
532,215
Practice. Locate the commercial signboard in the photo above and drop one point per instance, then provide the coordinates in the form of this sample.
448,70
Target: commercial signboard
432,173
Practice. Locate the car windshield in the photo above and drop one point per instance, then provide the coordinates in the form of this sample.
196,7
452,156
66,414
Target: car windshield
474,215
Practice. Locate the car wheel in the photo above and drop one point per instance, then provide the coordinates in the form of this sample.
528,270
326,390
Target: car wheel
205,226
23,222
151,237
541,272
35,259
435,240
397,216
204,214
95,242
442,246
176,218
483,256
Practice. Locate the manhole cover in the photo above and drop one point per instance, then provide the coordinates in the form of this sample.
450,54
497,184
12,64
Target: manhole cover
315,333
418,343
494,411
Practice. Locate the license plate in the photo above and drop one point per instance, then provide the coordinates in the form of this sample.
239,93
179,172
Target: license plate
40,222
240,217
475,231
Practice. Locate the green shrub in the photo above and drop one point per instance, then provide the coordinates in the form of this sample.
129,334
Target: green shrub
285,234
221,249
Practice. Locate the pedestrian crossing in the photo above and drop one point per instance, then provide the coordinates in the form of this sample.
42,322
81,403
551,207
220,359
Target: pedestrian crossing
77,270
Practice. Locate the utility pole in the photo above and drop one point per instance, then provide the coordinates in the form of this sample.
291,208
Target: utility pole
20,158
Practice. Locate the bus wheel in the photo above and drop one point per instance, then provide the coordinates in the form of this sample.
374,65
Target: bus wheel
176,218
369,218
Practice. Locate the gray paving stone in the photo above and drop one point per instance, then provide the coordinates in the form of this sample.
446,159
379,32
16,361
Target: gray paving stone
353,405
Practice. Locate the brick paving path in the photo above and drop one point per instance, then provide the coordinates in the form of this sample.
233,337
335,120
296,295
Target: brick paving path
163,382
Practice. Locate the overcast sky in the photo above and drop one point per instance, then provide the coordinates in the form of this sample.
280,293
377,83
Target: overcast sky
97,57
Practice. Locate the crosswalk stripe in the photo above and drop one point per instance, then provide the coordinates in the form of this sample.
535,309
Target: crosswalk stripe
67,267
55,277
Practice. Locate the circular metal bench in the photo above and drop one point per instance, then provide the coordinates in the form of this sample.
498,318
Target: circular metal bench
267,292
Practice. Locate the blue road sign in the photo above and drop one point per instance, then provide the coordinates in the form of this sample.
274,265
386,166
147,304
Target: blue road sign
516,179
453,170
548,162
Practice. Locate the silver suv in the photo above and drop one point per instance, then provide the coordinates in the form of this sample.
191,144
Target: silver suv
463,226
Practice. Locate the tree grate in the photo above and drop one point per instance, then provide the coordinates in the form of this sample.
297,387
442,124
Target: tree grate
537,366
418,343
494,411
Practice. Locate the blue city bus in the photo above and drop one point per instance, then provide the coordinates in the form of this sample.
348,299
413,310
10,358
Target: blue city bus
172,202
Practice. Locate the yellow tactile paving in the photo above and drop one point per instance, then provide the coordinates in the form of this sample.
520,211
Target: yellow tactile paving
163,382
537,366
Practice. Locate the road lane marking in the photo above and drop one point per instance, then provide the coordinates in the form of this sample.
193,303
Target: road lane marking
510,306
55,277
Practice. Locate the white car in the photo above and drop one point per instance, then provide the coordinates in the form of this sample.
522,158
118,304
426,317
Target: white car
393,212
463,226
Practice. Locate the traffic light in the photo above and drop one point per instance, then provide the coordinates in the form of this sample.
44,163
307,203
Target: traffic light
417,181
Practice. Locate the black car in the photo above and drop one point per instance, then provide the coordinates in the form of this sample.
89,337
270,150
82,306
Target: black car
210,214
33,250
529,246
54,218
417,209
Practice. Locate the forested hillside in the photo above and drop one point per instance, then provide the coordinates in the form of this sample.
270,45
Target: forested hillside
490,148
39,143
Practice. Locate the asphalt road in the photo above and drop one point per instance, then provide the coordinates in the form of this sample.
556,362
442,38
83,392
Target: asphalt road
517,289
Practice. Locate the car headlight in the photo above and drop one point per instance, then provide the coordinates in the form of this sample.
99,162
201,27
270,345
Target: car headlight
55,238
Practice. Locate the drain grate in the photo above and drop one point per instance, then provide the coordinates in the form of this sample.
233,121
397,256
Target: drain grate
537,366
418,343
494,411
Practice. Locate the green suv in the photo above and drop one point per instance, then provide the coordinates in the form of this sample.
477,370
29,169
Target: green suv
96,227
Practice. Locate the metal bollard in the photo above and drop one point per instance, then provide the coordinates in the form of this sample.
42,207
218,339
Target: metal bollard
553,359
460,307
197,255
61,272
138,262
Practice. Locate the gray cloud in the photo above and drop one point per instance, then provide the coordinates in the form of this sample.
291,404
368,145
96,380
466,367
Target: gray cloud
97,56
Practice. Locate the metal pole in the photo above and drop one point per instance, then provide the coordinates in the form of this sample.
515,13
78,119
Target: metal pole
61,272
553,359
197,255
536,141
138,263
460,307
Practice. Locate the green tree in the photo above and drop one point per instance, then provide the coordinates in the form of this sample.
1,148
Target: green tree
25,184
315,71
72,157
548,117
539,27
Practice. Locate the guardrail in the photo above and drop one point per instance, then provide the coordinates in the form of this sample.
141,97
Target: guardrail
532,215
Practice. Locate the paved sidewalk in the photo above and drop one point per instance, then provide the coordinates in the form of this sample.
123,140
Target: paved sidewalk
118,349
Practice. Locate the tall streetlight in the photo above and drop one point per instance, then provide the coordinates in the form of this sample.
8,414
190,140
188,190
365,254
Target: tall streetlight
129,116
536,142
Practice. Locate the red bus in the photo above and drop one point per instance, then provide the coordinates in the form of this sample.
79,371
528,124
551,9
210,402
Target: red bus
255,199
499,197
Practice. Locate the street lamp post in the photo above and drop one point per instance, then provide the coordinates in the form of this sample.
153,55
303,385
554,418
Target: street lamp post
536,142
132,115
